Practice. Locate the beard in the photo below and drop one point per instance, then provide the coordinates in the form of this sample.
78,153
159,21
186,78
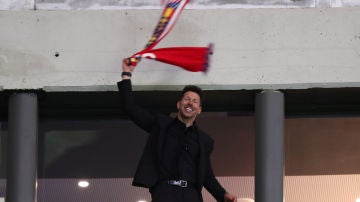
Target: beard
188,112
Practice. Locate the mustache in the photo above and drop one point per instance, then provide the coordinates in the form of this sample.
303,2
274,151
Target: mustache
189,107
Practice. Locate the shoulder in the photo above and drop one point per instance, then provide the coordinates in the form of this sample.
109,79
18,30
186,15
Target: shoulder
205,138
162,120
163,117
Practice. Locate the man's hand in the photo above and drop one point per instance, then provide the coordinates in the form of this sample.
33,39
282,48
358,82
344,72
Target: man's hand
230,198
127,67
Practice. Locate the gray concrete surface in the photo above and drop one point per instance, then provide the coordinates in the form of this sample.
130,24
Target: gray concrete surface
254,48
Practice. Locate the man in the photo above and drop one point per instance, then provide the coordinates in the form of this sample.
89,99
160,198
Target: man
175,164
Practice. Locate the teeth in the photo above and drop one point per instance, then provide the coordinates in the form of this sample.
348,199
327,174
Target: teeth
188,109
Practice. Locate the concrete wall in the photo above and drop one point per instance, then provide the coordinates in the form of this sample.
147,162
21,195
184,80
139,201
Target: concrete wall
116,4
324,188
276,48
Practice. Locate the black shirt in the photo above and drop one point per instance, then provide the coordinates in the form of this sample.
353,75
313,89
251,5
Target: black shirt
180,152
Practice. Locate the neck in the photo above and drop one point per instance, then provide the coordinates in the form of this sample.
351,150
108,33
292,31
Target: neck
187,121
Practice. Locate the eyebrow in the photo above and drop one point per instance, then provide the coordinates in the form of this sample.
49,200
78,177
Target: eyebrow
195,99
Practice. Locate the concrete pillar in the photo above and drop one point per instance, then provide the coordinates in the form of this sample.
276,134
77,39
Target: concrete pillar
3,146
22,144
269,146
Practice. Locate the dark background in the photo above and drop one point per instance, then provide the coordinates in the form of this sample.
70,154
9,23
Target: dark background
86,134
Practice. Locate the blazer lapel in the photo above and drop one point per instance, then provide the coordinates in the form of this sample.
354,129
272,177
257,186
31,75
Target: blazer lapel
162,135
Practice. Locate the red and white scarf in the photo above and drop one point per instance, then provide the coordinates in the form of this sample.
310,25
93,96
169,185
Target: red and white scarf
193,59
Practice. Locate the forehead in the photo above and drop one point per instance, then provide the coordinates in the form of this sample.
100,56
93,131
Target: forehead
191,95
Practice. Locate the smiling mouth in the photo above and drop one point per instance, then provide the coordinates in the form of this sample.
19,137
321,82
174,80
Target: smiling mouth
188,109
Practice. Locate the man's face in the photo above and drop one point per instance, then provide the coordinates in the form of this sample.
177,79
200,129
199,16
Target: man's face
189,106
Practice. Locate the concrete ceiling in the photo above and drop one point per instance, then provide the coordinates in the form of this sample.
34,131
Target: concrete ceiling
121,4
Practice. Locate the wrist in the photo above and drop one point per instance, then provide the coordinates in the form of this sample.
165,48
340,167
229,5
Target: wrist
126,75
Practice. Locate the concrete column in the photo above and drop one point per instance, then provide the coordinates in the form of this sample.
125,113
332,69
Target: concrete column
3,146
269,146
22,144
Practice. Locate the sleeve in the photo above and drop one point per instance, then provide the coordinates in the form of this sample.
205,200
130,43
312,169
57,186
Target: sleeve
212,184
141,117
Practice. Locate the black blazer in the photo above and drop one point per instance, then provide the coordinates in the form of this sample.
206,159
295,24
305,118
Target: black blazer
148,172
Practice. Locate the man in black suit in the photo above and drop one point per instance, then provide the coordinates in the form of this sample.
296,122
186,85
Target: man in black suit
175,164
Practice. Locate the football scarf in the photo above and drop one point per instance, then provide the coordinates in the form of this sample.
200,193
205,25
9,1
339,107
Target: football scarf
193,59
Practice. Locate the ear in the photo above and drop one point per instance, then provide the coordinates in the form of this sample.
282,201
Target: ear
178,104
200,109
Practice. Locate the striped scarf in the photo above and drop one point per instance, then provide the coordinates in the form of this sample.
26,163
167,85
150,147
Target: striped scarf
194,59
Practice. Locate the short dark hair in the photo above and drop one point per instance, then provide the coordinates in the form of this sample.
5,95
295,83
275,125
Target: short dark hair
195,89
